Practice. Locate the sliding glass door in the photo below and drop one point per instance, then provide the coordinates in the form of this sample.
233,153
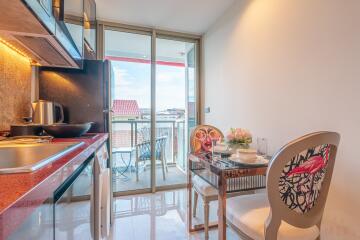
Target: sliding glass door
130,56
172,108
153,91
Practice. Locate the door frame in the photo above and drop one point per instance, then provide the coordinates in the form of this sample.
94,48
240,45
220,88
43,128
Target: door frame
154,33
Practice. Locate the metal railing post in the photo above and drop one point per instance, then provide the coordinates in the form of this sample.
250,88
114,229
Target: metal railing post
131,133
136,140
183,145
173,142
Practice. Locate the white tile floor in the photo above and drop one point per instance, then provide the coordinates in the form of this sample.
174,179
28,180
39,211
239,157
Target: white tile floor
173,176
160,216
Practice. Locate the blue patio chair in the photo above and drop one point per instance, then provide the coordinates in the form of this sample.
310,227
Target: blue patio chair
143,154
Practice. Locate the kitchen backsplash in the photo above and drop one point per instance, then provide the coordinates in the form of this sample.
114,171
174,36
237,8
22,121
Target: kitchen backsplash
15,87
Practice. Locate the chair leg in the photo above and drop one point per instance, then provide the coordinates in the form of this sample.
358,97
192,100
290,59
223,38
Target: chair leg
137,163
206,219
164,159
163,168
271,227
319,226
137,170
196,197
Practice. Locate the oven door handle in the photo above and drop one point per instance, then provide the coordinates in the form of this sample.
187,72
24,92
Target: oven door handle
105,203
92,212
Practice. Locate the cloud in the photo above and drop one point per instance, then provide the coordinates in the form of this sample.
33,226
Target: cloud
169,74
133,82
122,77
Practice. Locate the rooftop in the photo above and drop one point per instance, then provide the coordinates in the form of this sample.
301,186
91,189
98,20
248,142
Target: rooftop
126,108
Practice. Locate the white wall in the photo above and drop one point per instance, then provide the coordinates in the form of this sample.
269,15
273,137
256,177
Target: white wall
283,68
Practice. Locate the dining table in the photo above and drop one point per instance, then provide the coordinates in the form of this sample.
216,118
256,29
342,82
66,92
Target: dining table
229,177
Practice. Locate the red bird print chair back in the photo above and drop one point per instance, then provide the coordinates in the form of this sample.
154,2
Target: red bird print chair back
298,179
301,179
202,136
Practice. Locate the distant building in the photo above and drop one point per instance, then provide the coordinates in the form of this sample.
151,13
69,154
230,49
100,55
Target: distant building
126,110
168,114
171,114
145,113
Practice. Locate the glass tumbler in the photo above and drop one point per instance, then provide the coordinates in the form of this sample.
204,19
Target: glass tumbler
262,146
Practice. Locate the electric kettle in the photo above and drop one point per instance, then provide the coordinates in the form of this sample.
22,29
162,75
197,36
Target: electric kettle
47,112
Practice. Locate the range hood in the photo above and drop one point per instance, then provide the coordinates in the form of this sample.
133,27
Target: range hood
31,28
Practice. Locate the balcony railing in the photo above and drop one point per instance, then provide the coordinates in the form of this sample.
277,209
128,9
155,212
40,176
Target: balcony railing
129,133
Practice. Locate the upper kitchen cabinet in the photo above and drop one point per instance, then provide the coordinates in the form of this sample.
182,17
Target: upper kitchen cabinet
89,29
73,19
37,29
44,11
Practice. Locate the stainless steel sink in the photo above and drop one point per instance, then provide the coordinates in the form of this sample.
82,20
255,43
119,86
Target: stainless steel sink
15,157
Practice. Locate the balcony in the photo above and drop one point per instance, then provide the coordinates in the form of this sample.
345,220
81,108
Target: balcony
128,135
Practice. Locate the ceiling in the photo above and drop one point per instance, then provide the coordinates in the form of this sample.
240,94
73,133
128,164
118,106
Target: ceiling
188,16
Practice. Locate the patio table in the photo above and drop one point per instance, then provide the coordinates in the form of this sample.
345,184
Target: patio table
228,177
122,151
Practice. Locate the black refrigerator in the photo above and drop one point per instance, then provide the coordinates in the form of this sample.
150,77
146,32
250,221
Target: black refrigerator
85,96
84,93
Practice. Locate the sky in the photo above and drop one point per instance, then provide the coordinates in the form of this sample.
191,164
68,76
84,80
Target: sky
132,82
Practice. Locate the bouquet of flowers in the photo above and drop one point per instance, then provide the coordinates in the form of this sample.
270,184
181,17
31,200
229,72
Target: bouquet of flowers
239,136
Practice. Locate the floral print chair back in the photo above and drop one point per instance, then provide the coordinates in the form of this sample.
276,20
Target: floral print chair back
201,142
298,180
202,136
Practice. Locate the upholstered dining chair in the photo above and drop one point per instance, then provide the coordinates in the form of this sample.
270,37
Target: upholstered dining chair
201,141
298,180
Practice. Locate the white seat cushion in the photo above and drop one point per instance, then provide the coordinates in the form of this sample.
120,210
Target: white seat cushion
249,212
203,187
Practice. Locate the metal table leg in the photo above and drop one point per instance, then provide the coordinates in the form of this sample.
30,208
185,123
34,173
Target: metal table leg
127,166
222,208
189,188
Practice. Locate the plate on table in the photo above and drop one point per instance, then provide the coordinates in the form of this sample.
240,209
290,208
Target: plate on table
259,161
223,150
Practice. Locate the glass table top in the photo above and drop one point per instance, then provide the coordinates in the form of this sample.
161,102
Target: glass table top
224,162
209,169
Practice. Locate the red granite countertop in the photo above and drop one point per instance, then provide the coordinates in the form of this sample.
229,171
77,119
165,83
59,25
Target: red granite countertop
22,193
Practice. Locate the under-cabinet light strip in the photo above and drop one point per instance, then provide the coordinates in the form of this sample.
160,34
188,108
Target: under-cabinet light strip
12,47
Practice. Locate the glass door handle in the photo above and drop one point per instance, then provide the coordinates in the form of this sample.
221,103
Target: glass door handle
108,111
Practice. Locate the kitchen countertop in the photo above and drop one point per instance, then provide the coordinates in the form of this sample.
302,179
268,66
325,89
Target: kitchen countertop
22,193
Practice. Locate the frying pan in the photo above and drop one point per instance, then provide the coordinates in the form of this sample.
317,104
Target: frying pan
67,130
27,129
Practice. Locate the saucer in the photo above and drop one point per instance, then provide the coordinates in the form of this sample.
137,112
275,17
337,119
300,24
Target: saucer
259,160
